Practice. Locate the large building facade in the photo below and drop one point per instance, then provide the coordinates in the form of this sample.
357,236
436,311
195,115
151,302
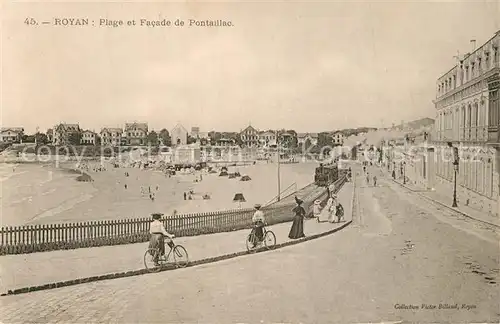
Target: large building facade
179,135
250,137
62,133
467,117
11,134
136,133
111,136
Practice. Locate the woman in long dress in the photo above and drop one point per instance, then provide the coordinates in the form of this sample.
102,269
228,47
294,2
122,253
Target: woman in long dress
325,212
297,230
332,208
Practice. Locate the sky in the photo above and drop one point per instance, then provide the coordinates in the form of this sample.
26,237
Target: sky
308,66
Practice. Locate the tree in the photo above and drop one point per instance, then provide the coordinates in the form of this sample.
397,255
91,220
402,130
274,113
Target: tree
190,139
325,139
152,138
41,138
28,138
215,137
74,138
165,137
97,140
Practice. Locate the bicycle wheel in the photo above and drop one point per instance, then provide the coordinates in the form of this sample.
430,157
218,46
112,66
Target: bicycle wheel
180,256
149,260
269,240
250,242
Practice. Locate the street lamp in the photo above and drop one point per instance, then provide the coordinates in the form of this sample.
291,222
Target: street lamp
404,172
279,180
455,169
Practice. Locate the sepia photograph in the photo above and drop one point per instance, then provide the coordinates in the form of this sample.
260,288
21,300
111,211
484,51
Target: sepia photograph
249,161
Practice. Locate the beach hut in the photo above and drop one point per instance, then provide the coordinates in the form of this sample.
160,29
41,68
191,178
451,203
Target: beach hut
223,173
239,198
245,178
232,176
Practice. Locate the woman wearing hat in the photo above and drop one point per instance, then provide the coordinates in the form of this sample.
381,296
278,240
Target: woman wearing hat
259,221
317,209
297,230
332,208
158,234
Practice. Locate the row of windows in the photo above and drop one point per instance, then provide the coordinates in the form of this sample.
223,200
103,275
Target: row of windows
474,175
469,70
459,96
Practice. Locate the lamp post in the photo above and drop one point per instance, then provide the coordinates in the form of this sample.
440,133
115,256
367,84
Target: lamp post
455,167
404,172
455,171
279,179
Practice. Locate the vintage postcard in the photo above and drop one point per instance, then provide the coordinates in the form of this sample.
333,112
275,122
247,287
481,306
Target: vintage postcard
249,161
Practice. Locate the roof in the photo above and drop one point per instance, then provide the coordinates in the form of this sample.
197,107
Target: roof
312,135
143,126
88,131
13,129
249,127
111,130
179,126
67,126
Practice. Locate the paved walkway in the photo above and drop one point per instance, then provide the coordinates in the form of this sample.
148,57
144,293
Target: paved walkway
447,200
26,270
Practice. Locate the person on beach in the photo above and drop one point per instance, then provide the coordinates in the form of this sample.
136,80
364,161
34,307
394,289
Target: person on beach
185,195
258,221
367,178
158,233
317,210
375,181
297,230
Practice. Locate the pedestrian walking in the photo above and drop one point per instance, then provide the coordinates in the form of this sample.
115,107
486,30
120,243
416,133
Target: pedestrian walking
332,208
297,229
367,178
317,209
339,212
375,181
185,195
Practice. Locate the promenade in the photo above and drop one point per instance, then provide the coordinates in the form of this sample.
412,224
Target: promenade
36,269
446,200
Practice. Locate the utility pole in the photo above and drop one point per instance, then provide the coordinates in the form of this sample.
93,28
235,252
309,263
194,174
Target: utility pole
279,179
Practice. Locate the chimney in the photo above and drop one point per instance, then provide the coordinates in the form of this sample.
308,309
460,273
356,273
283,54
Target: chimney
473,43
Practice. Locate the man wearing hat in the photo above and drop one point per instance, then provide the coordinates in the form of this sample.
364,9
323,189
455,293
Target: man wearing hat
258,220
158,234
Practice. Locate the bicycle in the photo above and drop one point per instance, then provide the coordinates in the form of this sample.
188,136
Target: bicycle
269,240
179,253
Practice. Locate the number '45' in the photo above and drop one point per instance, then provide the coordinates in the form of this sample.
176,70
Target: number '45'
30,21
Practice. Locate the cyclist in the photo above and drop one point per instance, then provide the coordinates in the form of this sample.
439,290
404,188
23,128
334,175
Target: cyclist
158,234
258,220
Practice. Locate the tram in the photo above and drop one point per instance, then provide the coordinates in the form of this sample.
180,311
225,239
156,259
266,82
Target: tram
326,174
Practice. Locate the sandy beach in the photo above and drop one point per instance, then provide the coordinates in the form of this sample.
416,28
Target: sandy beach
39,194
